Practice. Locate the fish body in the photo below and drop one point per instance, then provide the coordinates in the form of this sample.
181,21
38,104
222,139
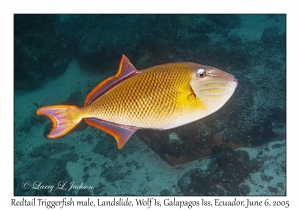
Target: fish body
160,97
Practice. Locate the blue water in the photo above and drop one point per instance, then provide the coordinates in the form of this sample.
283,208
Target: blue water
239,150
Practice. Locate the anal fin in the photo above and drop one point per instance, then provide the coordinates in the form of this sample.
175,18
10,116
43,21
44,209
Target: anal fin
121,133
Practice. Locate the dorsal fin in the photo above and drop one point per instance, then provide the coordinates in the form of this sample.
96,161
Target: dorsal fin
126,70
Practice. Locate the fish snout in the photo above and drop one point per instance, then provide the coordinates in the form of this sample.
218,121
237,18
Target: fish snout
236,81
215,88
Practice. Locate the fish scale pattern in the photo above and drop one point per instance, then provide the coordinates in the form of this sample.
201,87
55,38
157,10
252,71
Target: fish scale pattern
146,100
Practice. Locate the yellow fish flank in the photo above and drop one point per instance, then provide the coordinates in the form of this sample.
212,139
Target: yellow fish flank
159,97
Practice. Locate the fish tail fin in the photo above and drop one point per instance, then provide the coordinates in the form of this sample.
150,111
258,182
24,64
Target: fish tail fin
64,118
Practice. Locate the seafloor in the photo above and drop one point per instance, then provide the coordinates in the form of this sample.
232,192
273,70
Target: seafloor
245,143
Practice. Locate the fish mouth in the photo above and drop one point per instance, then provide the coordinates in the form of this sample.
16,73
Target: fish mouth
235,80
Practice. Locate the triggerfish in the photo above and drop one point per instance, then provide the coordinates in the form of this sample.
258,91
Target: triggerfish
160,97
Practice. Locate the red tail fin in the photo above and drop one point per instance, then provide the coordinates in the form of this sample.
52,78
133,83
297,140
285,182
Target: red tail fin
64,118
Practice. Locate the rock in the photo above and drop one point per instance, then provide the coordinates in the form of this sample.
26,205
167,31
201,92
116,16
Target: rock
276,146
164,192
83,192
262,133
89,138
93,165
144,190
270,35
108,37
112,174
73,157
99,189
48,149
224,176
32,120
244,189
221,24
273,190
266,178
133,163
280,185
45,172
129,150
36,60
48,127
107,147
75,98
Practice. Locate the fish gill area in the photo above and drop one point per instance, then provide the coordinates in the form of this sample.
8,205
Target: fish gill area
238,150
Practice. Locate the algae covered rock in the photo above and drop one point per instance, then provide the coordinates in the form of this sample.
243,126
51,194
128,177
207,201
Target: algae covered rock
227,171
41,51
48,149
43,178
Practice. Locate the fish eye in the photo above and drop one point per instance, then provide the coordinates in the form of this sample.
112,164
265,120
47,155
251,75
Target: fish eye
201,73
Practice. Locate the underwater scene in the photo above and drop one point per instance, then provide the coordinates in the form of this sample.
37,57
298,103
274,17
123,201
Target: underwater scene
149,105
